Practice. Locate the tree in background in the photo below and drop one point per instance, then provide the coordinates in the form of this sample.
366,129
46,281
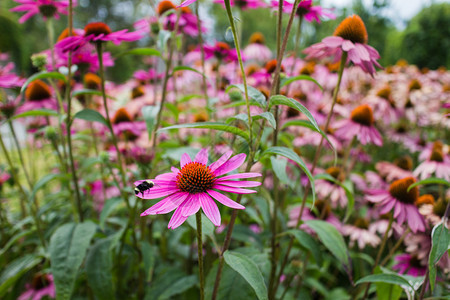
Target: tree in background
426,40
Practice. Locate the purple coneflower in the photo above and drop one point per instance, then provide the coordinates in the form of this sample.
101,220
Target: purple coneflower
123,123
329,189
42,285
195,185
351,37
98,32
359,125
256,49
398,199
321,211
38,95
362,233
8,79
220,51
47,8
438,162
409,264
306,10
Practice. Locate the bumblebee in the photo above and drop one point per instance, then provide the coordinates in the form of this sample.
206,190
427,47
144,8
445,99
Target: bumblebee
143,187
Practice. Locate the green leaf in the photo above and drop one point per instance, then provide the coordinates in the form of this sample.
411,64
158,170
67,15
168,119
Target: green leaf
268,116
307,242
386,278
67,249
207,225
440,242
43,181
179,287
36,113
286,152
249,270
186,68
279,167
289,80
108,208
14,239
211,125
141,51
91,115
148,257
99,267
432,180
388,291
347,188
252,94
43,75
12,272
149,114
332,240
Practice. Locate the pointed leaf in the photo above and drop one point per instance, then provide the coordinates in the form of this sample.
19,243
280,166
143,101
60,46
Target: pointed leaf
268,116
249,270
91,115
37,113
211,125
252,93
386,278
12,272
89,92
67,249
439,245
141,51
432,180
289,80
186,68
43,75
307,242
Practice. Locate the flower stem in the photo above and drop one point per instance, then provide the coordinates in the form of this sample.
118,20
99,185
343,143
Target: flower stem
198,218
19,151
316,158
380,251
393,249
241,65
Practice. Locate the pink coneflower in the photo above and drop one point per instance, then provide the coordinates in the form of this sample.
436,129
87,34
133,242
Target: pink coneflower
256,49
38,95
8,79
220,51
351,37
409,264
321,211
361,233
97,188
359,125
123,123
47,8
98,32
42,285
401,168
329,189
438,162
398,199
306,10
194,186
432,210
244,4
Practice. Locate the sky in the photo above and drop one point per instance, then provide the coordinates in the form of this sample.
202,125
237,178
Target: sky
400,11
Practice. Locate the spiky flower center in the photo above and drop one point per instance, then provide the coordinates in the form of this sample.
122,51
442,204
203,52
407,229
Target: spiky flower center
404,162
96,28
352,29
272,65
336,173
257,38
424,199
440,206
361,223
415,85
308,69
164,6
47,10
40,281
437,153
399,190
195,178
137,91
362,115
201,116
322,210
37,91
121,115
92,81
384,93
65,33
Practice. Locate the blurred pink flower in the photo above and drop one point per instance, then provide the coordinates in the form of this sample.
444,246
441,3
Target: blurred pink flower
194,186
409,264
307,10
47,8
8,79
42,285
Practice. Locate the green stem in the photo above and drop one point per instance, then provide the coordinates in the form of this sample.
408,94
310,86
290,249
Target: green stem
198,218
19,151
316,158
241,65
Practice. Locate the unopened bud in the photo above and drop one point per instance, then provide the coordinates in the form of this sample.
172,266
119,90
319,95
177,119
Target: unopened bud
39,61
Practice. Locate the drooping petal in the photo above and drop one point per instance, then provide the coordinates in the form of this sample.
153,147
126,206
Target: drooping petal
238,183
232,164
202,156
225,200
210,208
166,205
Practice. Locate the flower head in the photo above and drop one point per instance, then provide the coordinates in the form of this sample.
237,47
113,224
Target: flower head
47,8
306,10
195,185
42,285
350,37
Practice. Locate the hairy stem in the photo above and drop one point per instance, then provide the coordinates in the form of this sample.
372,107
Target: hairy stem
198,218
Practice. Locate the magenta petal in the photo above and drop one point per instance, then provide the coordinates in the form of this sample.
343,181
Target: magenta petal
166,176
238,183
233,189
210,208
333,41
190,206
220,161
185,159
232,164
225,200
202,156
240,175
186,3
177,219
166,205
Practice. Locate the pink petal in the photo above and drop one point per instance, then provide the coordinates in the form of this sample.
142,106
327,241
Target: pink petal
233,189
210,208
240,175
239,183
347,45
190,206
232,164
186,3
221,160
166,205
185,159
333,41
177,219
202,156
225,200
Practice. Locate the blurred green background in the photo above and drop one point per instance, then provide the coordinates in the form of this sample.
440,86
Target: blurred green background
425,40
